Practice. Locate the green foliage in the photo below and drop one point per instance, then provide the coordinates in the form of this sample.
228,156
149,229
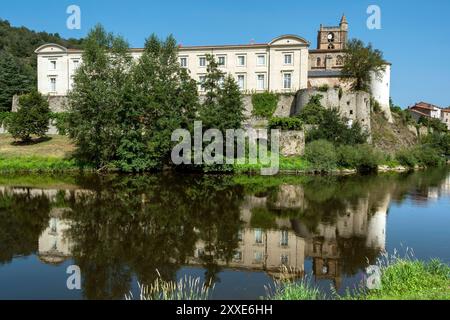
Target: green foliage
36,164
286,124
404,115
32,117
408,279
375,105
312,112
122,113
264,104
15,78
424,155
18,63
323,88
433,124
322,155
291,291
329,125
5,118
61,122
223,107
334,128
359,62
438,141
263,219
364,157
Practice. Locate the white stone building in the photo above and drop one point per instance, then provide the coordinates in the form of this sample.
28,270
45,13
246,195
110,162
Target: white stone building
285,64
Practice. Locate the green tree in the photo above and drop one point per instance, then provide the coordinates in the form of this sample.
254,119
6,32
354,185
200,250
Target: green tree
123,113
18,63
329,125
322,155
360,62
100,95
166,99
312,112
14,79
223,107
32,118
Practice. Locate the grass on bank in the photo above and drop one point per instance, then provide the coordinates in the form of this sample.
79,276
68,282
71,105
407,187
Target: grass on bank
46,154
187,288
401,279
412,280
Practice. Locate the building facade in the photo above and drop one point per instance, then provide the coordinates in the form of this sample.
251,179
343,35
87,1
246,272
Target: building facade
428,110
284,65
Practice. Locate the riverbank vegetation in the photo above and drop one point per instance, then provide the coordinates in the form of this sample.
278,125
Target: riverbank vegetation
401,279
122,113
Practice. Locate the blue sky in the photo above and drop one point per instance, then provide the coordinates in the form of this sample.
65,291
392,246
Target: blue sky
415,35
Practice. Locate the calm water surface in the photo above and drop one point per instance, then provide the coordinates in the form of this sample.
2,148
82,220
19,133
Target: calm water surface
235,231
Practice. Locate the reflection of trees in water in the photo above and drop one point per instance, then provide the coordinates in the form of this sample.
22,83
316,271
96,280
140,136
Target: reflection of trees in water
143,224
122,225
23,217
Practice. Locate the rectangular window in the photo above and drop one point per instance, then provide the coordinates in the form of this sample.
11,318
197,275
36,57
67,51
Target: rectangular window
76,63
261,60
52,84
237,256
202,61
287,81
261,83
221,61
288,59
53,65
241,61
284,241
241,81
259,257
183,62
240,236
258,236
284,260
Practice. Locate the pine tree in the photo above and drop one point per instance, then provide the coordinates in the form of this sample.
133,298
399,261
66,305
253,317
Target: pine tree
14,79
223,107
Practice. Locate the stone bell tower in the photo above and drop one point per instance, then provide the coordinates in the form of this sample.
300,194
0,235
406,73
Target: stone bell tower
333,38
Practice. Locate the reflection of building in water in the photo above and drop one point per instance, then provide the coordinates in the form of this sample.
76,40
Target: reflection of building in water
423,195
54,246
290,242
445,187
281,241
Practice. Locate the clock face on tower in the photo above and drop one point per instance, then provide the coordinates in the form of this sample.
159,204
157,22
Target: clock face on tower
330,37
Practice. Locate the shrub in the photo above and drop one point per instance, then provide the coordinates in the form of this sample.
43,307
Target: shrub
375,105
429,156
336,129
369,158
363,157
32,118
61,122
407,158
423,155
322,155
348,156
5,118
264,104
286,124
312,112
323,88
